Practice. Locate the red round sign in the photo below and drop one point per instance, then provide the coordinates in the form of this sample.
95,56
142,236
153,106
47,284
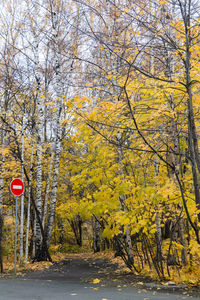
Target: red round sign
17,187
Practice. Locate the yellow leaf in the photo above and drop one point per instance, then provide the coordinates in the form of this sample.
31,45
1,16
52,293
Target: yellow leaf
96,281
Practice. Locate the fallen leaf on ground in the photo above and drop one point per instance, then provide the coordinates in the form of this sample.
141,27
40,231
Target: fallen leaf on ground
96,281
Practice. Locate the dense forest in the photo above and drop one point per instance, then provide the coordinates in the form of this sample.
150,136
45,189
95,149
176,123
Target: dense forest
99,116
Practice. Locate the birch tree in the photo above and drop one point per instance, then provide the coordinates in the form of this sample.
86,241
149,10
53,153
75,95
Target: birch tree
59,96
40,130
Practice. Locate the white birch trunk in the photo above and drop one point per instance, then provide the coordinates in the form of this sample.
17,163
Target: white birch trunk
47,190
51,212
39,176
29,207
57,144
34,235
40,132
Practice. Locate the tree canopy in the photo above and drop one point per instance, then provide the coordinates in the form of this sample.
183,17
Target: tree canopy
99,113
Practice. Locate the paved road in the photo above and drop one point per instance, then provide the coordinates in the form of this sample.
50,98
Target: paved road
59,290
68,281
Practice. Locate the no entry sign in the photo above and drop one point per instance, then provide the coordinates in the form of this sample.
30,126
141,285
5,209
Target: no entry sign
17,187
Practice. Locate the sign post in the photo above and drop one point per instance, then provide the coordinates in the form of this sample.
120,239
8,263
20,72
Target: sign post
17,189
16,235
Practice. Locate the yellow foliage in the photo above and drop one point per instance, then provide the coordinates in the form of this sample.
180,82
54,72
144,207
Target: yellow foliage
96,281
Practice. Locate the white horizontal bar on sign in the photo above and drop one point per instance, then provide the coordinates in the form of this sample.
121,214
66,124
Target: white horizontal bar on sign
17,187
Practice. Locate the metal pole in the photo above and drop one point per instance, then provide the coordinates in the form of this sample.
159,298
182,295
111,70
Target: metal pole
15,235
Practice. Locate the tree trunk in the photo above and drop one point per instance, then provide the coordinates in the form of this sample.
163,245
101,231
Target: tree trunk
122,199
47,191
192,132
57,143
159,256
96,235
172,257
183,242
29,206
40,133
76,225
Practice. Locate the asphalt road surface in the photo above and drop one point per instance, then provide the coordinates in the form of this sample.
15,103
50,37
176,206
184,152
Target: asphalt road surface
73,279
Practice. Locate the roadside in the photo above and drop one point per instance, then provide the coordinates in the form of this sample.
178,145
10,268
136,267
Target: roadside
100,270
